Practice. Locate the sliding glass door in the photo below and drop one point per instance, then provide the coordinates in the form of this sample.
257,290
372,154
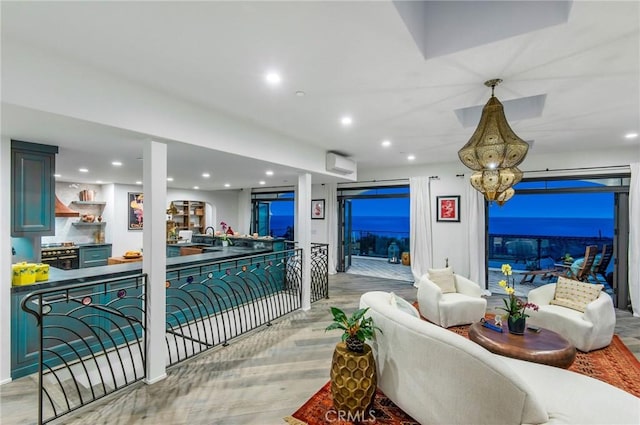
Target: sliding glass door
549,224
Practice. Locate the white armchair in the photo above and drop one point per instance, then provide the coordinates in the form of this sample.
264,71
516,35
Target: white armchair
588,331
462,307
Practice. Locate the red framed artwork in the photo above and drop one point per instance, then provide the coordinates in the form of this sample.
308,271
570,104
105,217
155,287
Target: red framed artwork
448,208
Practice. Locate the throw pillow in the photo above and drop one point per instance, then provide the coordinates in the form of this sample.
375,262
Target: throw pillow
443,278
574,294
402,305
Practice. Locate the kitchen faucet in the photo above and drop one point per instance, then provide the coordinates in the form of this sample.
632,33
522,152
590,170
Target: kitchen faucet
207,229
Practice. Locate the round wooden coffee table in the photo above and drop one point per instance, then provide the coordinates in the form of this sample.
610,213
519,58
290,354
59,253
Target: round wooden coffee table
546,347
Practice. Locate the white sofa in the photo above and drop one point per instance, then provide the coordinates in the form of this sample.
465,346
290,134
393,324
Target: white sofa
439,377
462,307
588,331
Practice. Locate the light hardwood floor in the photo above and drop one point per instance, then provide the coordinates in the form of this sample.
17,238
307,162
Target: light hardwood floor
257,379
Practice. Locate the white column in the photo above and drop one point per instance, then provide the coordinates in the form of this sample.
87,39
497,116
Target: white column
5,261
244,211
154,257
303,234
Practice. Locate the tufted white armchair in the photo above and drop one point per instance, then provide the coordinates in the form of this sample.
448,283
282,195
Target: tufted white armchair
462,307
587,331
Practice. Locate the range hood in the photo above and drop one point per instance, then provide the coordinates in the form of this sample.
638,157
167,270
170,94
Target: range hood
64,211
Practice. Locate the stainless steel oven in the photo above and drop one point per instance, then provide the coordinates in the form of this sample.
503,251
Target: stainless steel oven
61,257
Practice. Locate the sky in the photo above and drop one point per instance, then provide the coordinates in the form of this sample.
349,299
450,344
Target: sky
567,205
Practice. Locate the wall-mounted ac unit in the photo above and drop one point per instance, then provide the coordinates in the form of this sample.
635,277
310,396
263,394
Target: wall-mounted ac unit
340,164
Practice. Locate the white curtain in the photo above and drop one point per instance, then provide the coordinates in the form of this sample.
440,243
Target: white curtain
420,226
476,215
331,211
634,239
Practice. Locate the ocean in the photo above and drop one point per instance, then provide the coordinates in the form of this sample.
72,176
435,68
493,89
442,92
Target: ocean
531,226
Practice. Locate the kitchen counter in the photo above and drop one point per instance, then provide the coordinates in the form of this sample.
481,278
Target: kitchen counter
58,277
274,244
123,260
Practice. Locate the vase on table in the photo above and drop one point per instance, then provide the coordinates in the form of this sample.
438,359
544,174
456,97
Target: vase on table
516,325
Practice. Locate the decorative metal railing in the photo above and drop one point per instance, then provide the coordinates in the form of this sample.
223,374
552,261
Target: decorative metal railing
537,252
212,303
91,341
92,338
319,271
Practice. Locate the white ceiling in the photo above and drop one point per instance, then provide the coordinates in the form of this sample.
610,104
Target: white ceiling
354,58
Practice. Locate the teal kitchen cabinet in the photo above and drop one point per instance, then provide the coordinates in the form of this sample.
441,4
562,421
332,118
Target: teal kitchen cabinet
32,189
173,250
93,256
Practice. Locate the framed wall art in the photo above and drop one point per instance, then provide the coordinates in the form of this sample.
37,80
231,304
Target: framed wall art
317,209
448,208
136,211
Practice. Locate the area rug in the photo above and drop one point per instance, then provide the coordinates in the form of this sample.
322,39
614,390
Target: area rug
319,410
614,364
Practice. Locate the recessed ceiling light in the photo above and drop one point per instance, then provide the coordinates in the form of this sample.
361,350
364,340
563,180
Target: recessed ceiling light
227,185
273,78
196,187
116,163
83,170
346,120
57,175
411,157
386,143
263,182
300,93
631,135
206,175
138,182
269,173
99,181
169,179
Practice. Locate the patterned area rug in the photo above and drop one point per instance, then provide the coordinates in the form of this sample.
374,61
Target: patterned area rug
614,364
319,410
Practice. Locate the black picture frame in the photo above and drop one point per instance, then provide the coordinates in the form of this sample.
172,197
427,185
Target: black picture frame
317,209
448,208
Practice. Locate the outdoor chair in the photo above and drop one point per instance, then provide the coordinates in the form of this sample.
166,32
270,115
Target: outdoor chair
584,270
600,268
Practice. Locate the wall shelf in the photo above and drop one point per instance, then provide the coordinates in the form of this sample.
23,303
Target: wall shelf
98,203
83,224
190,216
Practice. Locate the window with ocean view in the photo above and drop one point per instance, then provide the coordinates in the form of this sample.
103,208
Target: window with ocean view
273,214
371,221
549,224
537,231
